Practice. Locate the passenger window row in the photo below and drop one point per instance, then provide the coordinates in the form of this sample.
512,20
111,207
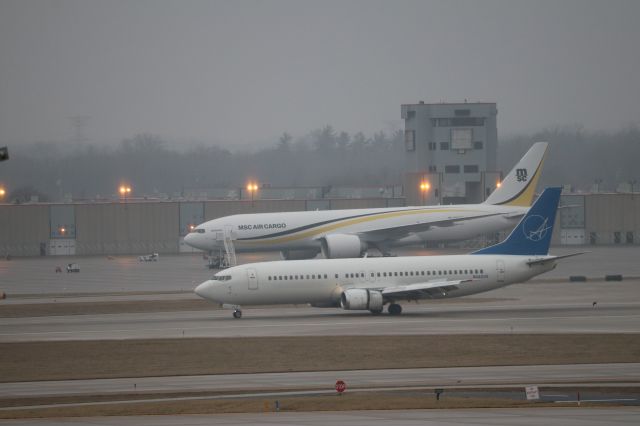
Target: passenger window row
434,273
296,277
429,273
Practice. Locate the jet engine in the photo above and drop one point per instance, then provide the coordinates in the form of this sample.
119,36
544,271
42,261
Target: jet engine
336,246
361,298
299,254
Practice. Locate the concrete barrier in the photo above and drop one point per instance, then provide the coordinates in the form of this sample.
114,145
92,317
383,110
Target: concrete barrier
614,277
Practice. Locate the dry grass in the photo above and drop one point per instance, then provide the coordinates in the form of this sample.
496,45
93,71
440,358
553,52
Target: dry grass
24,361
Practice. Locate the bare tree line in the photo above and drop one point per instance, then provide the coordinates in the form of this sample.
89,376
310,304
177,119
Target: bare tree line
320,158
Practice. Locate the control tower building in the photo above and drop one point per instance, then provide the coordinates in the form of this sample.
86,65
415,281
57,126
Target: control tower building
450,152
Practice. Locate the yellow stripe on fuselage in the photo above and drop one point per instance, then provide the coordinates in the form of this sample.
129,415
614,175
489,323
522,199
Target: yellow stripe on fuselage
345,223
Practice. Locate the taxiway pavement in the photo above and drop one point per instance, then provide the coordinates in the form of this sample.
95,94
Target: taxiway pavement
624,374
498,416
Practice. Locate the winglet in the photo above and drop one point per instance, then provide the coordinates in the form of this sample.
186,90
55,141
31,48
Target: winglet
519,187
532,235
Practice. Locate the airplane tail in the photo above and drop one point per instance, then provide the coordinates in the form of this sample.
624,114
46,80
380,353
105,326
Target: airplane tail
519,187
532,235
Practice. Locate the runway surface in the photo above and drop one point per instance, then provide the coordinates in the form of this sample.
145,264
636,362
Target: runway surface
625,374
512,417
523,308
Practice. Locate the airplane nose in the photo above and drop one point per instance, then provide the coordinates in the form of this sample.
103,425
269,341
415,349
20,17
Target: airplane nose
189,238
194,240
207,290
201,290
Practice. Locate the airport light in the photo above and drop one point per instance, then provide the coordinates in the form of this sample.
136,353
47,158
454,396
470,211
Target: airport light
424,187
498,184
252,187
3,192
62,230
125,190
191,227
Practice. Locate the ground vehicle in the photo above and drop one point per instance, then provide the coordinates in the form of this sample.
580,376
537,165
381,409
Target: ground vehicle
149,257
73,267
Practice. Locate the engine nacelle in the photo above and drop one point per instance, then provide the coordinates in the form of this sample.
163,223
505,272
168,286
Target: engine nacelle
336,246
361,298
299,254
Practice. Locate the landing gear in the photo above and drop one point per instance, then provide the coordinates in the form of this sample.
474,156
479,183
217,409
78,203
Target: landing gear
237,314
375,311
394,309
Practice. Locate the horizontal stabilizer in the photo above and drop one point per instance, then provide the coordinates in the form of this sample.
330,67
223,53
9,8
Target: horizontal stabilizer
544,260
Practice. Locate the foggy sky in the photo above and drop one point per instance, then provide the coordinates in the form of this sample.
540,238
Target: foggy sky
242,72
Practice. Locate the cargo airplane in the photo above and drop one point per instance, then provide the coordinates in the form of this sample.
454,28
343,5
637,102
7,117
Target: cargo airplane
350,233
370,283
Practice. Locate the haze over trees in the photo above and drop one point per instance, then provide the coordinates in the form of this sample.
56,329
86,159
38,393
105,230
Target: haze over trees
323,157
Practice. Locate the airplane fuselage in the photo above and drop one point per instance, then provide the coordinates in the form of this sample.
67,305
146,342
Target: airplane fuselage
320,283
304,230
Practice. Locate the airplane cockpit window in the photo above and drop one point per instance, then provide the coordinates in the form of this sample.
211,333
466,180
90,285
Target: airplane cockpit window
221,277
198,231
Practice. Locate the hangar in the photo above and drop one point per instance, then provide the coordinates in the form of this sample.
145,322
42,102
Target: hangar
138,226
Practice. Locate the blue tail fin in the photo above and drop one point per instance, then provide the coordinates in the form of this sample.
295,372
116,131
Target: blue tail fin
532,235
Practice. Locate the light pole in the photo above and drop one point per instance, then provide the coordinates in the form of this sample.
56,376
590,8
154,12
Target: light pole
252,187
124,191
424,187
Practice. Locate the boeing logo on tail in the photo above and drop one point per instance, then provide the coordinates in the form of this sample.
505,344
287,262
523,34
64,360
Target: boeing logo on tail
535,227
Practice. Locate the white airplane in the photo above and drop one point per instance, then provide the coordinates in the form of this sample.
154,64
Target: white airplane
349,233
370,283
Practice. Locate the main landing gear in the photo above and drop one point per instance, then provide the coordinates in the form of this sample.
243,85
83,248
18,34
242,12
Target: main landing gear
237,314
394,309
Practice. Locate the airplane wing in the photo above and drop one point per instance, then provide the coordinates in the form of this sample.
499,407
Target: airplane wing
396,232
425,290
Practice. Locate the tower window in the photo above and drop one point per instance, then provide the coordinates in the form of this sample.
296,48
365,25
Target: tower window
410,140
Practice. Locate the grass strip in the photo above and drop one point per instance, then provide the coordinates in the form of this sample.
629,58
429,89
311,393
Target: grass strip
62,360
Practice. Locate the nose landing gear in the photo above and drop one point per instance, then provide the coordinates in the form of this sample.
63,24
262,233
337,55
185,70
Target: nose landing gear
237,314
